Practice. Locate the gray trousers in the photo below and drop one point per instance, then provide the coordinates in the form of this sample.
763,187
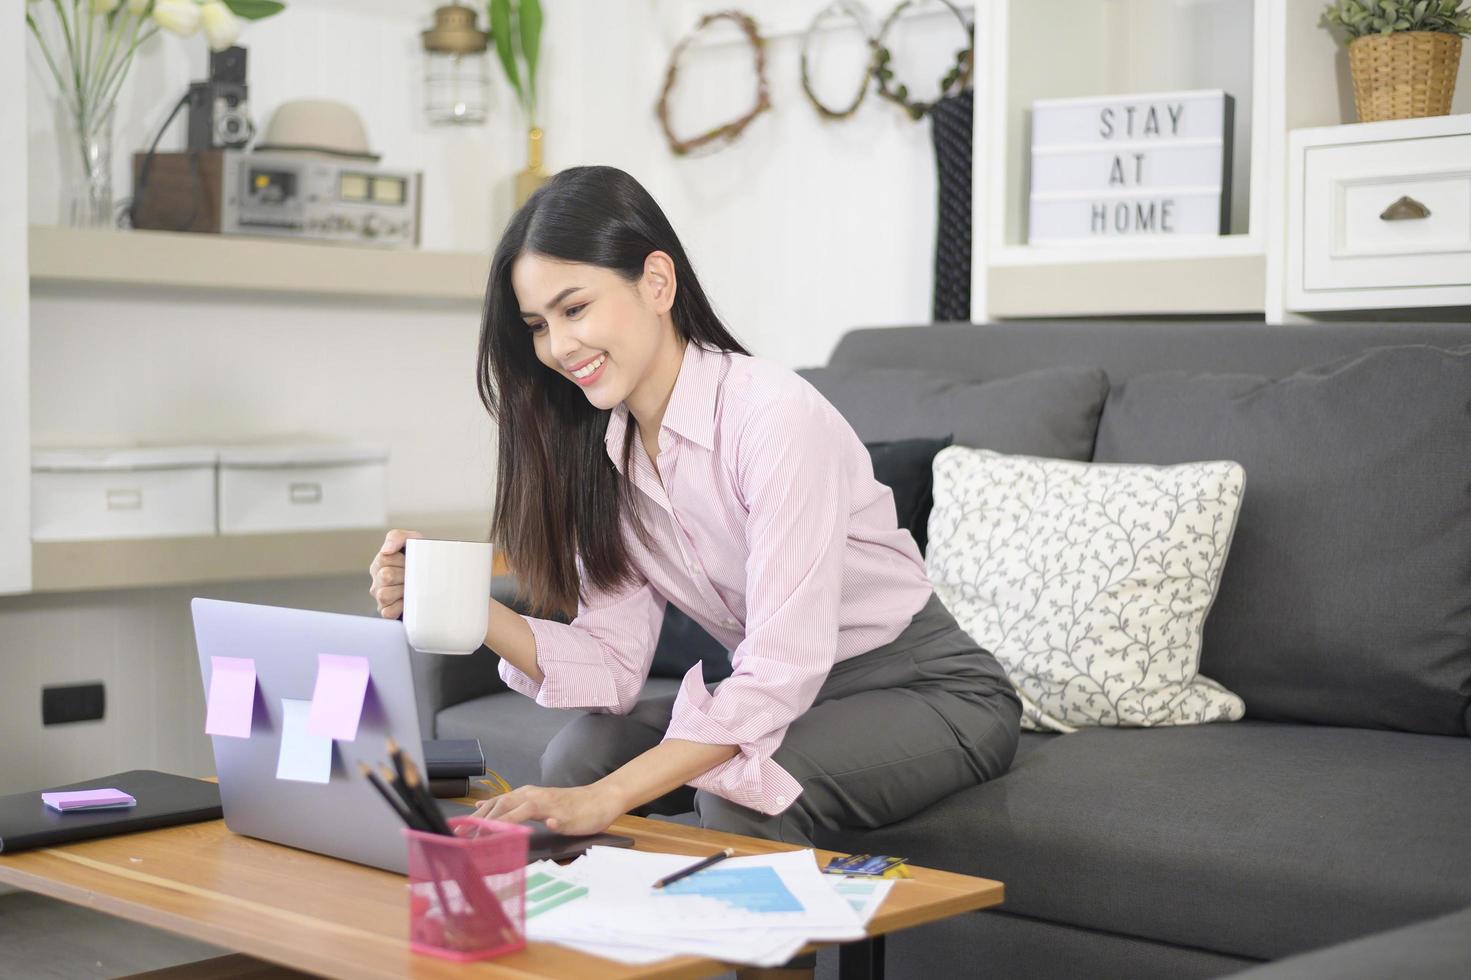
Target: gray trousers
891,732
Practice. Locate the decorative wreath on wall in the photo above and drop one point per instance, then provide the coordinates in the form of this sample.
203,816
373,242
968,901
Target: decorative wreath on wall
957,77
725,133
858,13
879,69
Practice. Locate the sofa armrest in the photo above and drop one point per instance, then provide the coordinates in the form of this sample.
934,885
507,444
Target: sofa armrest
441,681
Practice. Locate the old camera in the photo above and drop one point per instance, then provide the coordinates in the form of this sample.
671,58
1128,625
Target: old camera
219,117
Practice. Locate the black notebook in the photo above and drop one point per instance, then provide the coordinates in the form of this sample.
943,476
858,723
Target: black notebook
450,788
447,758
163,800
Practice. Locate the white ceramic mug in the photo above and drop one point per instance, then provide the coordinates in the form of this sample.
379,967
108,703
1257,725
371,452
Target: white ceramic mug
446,594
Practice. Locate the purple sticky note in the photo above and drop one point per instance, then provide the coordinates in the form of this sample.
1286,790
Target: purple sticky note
88,799
337,701
231,696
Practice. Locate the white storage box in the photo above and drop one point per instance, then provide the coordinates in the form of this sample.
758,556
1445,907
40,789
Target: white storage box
302,487
99,494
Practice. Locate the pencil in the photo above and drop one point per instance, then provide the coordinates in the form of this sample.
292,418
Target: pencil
419,802
430,808
390,798
697,866
409,801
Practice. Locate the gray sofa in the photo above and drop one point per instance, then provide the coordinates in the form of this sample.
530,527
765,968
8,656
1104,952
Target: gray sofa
1341,806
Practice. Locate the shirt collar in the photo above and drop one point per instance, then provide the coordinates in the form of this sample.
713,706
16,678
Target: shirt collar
691,409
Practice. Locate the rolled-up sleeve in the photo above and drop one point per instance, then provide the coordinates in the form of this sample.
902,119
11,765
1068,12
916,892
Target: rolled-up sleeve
792,475
600,660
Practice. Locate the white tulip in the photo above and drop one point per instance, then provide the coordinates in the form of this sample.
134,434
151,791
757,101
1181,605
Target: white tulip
104,7
221,25
179,16
138,7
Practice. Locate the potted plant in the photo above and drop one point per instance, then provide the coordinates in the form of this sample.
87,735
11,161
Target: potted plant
1403,54
515,27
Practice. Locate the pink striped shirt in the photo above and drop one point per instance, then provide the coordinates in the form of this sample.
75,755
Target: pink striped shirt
771,532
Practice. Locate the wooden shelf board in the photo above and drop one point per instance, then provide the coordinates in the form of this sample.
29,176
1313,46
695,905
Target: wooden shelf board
77,566
1223,284
227,262
1116,252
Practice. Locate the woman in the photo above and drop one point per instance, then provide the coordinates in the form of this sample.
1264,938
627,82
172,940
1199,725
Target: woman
645,457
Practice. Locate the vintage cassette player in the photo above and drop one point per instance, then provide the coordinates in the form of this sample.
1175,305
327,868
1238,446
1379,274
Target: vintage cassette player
234,192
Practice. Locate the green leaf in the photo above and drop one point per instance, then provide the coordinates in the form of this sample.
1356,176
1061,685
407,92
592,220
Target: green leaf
254,9
530,17
500,27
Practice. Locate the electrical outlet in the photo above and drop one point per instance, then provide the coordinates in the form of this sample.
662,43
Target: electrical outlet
66,703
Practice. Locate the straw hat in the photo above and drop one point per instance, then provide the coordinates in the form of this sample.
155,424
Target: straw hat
317,127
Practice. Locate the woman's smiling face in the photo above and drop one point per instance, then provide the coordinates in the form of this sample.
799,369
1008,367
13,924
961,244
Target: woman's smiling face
593,327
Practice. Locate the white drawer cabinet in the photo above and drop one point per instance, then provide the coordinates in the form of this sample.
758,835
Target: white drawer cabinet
1380,215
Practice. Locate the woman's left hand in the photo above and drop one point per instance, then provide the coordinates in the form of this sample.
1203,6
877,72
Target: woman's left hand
569,810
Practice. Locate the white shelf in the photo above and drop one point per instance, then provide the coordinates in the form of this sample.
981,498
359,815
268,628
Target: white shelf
1107,50
225,262
81,566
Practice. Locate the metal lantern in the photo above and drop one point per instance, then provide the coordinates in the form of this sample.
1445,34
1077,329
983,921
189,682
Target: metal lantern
456,74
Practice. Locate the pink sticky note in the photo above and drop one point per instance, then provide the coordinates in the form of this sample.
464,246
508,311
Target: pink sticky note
337,702
231,696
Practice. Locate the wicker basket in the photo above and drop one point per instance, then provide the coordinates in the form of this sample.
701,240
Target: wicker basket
1404,75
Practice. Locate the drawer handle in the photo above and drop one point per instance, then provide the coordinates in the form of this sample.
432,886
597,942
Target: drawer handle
1405,209
306,493
125,500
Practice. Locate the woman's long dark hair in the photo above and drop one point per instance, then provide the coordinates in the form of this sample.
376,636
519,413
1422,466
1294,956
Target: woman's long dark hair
558,495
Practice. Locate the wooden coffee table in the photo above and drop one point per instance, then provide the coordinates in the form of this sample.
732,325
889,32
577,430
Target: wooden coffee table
337,919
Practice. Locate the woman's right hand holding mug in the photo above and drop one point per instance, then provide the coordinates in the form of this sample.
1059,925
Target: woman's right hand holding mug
387,573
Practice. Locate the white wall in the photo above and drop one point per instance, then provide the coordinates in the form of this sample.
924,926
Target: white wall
799,232
804,228
15,560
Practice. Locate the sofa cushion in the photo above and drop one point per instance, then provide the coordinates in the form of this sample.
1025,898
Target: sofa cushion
1052,412
1089,582
1257,840
514,730
1347,598
906,467
1437,949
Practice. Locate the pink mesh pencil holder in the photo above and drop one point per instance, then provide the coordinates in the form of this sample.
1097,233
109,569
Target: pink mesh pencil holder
467,893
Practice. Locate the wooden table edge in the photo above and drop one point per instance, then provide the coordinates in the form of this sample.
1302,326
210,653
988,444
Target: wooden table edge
974,894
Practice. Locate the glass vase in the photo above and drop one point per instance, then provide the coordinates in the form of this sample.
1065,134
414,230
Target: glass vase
84,140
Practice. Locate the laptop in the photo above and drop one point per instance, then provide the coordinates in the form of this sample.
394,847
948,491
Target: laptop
344,817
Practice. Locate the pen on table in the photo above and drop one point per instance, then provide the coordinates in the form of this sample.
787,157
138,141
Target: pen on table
697,866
